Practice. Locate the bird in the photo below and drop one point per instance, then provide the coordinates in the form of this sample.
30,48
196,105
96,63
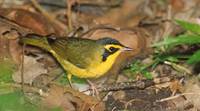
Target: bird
80,57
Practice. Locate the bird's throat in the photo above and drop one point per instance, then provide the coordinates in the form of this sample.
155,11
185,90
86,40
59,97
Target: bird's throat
105,66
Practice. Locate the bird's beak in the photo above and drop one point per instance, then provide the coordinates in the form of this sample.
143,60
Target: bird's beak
127,49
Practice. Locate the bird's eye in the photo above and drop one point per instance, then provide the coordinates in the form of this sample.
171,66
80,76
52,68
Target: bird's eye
112,49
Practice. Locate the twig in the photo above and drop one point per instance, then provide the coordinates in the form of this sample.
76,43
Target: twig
167,26
176,96
22,68
178,67
142,84
132,100
113,109
69,14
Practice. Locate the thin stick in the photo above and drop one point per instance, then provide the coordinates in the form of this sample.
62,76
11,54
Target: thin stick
22,67
178,67
176,96
168,26
69,14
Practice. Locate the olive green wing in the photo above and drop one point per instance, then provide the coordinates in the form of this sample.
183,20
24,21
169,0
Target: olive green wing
80,52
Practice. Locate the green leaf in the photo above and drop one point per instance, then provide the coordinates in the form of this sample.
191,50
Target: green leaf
147,75
195,58
172,59
182,39
137,67
195,28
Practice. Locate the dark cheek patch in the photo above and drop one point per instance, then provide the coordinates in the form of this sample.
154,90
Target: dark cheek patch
108,53
105,55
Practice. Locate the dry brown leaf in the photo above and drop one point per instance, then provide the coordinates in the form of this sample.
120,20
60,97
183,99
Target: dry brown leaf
31,20
32,69
175,86
15,49
177,5
57,98
178,103
125,15
119,95
10,48
163,85
192,86
71,100
9,33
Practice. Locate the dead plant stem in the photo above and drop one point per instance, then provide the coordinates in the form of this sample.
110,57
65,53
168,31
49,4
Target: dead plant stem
22,68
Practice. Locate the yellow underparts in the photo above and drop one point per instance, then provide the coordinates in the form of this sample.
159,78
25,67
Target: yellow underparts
91,72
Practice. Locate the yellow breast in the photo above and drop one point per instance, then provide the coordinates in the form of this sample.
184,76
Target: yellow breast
94,71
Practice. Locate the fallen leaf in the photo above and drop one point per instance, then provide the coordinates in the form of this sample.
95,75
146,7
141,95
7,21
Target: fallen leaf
33,21
175,86
124,15
71,100
9,32
177,5
57,98
32,69
192,87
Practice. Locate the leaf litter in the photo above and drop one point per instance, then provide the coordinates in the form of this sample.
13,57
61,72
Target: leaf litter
137,24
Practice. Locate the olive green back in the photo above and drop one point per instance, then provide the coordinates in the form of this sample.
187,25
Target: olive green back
80,52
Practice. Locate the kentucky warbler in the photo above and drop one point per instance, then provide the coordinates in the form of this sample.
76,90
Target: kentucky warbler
83,58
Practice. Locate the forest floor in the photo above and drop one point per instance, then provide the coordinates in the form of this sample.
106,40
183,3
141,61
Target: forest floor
160,74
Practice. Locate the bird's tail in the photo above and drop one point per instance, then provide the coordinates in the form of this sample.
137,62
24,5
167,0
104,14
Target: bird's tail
36,40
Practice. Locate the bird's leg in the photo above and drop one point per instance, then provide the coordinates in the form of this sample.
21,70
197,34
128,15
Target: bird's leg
94,88
69,77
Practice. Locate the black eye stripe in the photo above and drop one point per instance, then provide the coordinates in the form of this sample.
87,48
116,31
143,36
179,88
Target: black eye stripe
112,49
108,53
